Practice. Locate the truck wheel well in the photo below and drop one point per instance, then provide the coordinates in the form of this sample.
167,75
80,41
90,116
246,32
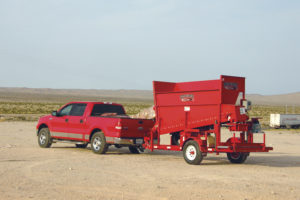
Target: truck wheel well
42,126
94,131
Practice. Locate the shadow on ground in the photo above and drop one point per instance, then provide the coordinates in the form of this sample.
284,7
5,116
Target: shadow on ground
278,159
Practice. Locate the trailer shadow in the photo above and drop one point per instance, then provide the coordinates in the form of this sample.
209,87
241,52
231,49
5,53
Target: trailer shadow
269,161
278,159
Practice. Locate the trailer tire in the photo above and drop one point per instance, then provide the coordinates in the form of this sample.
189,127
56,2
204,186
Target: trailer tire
191,153
98,143
81,145
44,138
134,150
237,157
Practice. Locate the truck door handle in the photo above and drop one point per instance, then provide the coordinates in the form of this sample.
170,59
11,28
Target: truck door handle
66,120
81,121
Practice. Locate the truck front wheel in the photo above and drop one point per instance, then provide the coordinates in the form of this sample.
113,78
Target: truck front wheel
237,157
191,153
44,138
98,143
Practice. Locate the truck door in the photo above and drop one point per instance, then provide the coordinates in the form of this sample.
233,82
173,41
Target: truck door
77,125
59,123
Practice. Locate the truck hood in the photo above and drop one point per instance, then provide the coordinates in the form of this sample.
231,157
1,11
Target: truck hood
44,118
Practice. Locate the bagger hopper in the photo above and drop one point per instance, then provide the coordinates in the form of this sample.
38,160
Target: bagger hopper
193,112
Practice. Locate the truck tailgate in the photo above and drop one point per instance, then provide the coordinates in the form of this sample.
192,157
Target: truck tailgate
135,128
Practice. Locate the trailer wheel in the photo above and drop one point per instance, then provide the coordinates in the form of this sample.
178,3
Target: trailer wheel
192,153
81,145
237,157
134,150
98,143
44,138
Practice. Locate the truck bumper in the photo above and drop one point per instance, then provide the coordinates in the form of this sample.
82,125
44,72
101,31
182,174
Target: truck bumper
125,141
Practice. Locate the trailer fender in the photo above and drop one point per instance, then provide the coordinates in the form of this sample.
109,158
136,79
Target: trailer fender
233,140
201,143
186,142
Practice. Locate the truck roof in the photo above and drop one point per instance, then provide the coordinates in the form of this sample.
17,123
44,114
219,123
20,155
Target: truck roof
95,102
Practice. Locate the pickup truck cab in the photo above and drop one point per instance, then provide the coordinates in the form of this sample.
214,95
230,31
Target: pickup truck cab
99,123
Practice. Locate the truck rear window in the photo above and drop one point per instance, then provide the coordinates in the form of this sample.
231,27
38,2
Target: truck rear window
107,110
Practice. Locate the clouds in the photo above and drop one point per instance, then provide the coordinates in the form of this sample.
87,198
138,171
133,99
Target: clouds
131,43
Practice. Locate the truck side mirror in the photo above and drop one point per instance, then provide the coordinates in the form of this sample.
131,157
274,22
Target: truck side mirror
54,113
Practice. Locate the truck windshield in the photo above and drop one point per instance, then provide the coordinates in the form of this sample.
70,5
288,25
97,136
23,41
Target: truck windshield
107,110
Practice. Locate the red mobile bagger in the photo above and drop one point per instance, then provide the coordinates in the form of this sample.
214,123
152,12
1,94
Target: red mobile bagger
192,112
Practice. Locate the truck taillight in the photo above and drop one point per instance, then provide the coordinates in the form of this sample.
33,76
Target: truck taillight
121,128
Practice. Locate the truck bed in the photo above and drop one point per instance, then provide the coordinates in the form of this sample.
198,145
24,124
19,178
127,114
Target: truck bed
122,127
135,128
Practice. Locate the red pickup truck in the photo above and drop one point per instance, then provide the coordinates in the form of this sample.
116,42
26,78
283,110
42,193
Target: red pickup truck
99,123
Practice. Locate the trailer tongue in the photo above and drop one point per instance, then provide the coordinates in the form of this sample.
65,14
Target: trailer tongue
191,112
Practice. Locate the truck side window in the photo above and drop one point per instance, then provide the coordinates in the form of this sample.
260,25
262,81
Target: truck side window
78,109
66,110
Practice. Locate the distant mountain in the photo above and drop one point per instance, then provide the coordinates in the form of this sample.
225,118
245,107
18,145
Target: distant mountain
66,95
281,99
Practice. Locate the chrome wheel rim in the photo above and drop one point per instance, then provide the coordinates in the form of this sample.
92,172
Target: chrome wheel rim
43,138
191,152
97,143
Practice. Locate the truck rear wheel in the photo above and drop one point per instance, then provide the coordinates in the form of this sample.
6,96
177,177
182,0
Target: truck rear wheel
44,138
98,143
134,150
191,153
237,157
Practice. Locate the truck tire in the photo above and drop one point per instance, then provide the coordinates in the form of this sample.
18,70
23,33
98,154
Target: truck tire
134,150
191,153
237,157
81,145
44,138
98,143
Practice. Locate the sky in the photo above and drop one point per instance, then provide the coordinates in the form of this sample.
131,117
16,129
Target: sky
126,44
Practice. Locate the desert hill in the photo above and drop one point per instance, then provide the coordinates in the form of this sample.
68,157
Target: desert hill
65,95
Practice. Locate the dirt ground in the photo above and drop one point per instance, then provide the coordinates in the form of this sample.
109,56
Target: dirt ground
64,172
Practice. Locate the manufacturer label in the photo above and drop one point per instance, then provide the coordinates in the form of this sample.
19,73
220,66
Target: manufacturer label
187,97
230,86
